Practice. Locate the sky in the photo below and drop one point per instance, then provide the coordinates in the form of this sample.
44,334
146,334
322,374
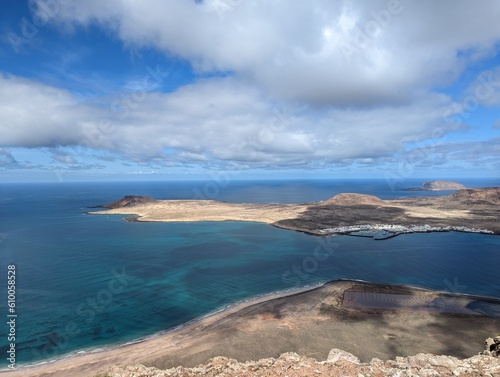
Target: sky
252,89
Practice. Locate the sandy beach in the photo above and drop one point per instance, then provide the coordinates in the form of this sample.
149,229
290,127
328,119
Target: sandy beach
352,316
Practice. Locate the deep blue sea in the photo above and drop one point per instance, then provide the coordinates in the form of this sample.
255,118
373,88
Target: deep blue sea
86,282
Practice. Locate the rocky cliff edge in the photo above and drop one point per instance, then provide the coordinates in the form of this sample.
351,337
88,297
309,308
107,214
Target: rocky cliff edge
339,363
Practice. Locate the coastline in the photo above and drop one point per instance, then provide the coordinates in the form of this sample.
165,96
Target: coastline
468,210
42,366
393,230
281,312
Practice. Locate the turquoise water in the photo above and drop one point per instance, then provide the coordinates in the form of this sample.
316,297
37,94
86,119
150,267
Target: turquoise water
86,282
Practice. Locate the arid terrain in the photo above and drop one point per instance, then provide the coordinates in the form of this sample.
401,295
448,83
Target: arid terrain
464,210
369,321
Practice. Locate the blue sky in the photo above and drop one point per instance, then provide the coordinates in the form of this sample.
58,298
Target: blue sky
127,90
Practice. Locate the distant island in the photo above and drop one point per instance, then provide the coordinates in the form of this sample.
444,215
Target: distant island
438,186
466,210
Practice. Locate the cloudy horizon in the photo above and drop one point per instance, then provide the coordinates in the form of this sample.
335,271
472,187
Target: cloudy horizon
323,89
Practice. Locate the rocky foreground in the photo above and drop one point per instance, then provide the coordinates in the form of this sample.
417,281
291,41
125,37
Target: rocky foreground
338,363
370,321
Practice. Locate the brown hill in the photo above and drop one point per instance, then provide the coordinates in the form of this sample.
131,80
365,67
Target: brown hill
349,199
467,197
129,201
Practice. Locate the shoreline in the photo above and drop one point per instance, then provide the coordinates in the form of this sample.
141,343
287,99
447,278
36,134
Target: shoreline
351,231
468,210
348,230
205,319
394,230
98,360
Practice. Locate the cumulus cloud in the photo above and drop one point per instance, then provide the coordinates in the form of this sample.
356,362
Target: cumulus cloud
319,52
38,115
218,119
305,83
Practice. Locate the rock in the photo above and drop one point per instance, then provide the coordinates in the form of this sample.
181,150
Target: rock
422,360
428,373
492,347
339,363
336,355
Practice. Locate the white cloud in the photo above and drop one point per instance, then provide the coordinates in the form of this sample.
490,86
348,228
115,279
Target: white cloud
38,115
320,51
212,121
310,83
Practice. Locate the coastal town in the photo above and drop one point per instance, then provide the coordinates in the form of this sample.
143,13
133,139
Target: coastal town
390,230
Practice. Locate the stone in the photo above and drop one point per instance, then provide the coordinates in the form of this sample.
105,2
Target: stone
492,347
336,355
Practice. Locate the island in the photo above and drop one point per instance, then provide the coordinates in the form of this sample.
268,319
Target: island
438,186
466,210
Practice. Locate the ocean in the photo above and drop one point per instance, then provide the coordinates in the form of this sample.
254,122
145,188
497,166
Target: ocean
87,282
